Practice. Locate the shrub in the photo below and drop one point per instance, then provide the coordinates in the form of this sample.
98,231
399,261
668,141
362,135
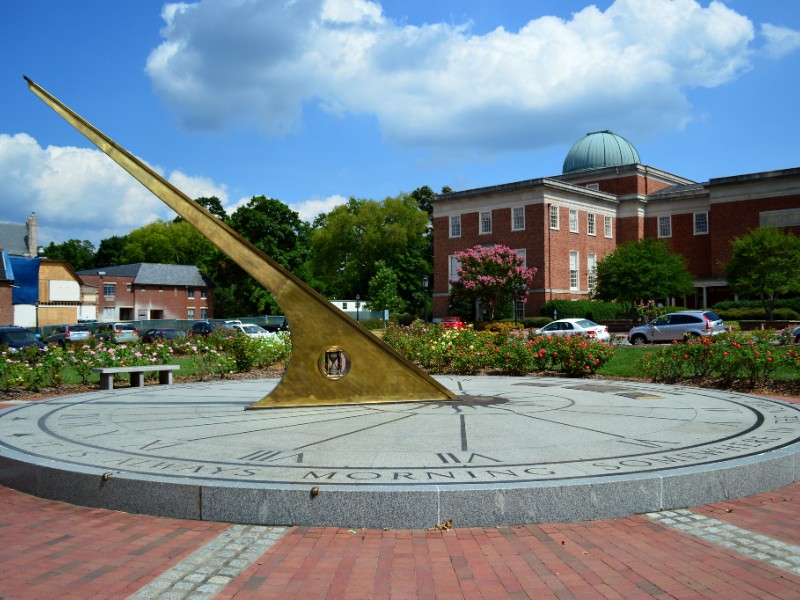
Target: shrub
497,326
750,358
536,322
594,310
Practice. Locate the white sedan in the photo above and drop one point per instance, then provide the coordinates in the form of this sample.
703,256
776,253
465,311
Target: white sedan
253,330
583,327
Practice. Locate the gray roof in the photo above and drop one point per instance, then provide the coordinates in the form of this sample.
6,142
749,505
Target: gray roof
155,274
5,270
14,238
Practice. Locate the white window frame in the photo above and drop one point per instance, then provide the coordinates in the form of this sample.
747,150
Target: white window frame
574,270
485,218
453,266
590,224
553,217
609,229
455,226
591,270
109,287
517,218
698,231
190,292
190,314
665,226
203,314
573,220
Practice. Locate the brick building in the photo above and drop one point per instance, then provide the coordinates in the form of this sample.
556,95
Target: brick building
563,225
144,291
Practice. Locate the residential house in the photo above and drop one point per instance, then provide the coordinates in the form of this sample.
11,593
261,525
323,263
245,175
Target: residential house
144,291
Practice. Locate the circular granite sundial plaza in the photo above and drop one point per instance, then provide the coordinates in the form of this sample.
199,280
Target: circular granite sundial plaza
509,450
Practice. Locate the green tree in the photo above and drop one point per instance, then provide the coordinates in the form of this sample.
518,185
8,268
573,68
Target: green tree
764,264
349,241
78,254
383,291
491,275
277,231
213,205
109,252
167,243
639,271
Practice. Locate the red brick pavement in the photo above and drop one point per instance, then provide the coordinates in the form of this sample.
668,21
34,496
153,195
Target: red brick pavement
56,550
618,558
52,550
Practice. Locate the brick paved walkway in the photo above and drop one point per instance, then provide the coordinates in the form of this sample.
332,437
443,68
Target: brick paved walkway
55,550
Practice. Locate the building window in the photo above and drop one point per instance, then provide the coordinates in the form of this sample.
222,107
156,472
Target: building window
109,290
486,222
590,224
609,230
454,266
523,254
161,288
700,223
455,226
573,220
203,313
573,270
595,187
344,305
130,287
591,270
190,292
203,293
665,227
190,313
553,217
518,218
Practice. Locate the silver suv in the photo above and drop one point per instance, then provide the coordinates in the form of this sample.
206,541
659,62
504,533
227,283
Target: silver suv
677,326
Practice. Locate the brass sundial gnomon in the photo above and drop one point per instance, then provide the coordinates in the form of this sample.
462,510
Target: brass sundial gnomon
334,359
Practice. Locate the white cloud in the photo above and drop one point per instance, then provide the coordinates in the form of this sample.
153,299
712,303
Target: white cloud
310,209
227,62
79,193
780,41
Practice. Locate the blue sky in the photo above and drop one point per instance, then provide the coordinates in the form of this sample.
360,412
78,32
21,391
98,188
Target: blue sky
314,101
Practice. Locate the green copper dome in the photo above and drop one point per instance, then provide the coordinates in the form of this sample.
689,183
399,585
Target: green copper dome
600,149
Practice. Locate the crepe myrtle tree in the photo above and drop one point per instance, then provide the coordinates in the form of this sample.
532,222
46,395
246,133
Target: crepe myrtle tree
491,275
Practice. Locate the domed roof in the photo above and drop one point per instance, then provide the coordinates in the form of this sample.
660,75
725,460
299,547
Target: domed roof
600,149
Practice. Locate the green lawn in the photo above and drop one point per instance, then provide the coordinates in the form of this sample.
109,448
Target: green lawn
624,361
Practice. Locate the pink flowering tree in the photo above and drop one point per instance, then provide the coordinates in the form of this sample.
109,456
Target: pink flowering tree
493,275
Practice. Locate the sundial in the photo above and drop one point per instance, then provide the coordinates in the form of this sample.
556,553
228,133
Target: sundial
507,450
362,437
334,359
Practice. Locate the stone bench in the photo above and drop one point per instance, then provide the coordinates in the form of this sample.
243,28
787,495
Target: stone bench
137,374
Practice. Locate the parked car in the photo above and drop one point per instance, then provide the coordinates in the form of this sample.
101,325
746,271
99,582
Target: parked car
253,330
570,327
65,334
209,327
452,323
163,333
677,326
16,338
276,325
117,333
796,334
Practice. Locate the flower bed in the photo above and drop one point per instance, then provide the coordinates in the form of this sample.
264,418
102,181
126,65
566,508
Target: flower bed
467,351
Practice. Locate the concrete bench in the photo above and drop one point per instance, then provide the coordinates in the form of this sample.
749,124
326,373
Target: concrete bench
137,374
